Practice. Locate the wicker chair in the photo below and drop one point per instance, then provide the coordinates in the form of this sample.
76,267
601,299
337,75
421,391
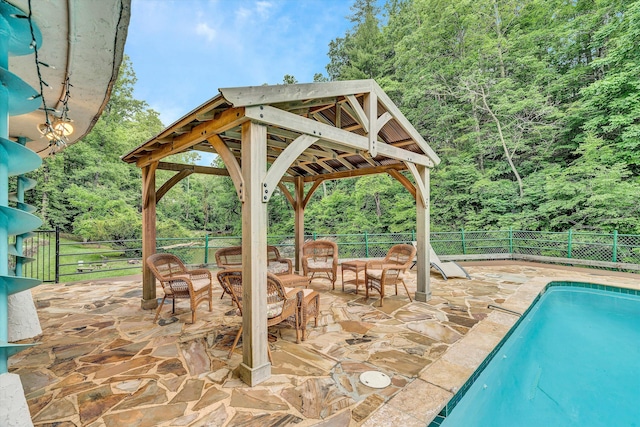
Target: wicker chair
390,271
320,256
178,282
281,307
231,257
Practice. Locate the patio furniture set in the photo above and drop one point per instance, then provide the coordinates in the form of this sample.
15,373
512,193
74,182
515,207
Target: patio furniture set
288,298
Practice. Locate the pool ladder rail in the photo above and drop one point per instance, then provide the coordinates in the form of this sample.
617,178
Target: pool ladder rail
506,310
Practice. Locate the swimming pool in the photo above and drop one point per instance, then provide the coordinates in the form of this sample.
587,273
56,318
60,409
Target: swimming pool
572,360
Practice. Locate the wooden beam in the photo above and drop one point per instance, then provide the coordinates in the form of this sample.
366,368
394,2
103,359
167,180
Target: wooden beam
255,367
312,190
423,284
273,143
287,194
355,172
403,180
206,170
371,110
273,116
299,223
205,108
306,168
171,182
230,162
305,104
148,181
361,116
282,163
228,119
422,192
382,120
148,236
261,95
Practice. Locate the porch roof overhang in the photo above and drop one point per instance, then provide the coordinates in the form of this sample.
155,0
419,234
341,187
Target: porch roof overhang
82,41
350,128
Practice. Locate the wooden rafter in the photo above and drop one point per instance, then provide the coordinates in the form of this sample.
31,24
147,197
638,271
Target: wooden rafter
359,115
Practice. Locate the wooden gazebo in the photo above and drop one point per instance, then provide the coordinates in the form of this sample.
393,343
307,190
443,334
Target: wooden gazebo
269,135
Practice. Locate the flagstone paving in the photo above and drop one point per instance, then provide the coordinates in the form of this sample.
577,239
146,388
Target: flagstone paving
102,362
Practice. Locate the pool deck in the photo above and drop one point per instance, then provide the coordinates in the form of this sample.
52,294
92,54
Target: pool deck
102,362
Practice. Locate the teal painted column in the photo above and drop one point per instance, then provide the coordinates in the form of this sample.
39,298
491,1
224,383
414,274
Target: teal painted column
16,97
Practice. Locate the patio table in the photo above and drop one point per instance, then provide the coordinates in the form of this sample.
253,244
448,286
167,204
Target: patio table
356,267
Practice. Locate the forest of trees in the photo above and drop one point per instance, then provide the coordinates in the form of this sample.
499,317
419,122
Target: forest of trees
533,106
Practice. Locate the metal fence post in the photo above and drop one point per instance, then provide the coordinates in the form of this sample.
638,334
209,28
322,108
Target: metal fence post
569,243
57,267
314,235
464,243
366,245
510,240
614,255
206,248
413,235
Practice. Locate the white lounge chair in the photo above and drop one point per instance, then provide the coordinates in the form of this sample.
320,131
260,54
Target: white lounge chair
445,268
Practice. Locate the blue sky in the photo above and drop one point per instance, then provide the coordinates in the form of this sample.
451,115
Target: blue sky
184,50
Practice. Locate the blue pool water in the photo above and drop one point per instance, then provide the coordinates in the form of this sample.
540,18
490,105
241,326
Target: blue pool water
574,360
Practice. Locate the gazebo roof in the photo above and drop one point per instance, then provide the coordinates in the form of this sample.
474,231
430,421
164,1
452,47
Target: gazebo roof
333,115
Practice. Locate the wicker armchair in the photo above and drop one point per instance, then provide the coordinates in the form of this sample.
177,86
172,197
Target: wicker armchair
178,282
390,271
280,306
320,256
231,257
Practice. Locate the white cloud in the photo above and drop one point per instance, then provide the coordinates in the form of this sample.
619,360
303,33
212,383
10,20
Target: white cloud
262,7
243,13
205,30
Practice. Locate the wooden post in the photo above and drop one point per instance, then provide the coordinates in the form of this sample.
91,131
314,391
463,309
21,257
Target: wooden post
299,222
423,291
149,300
255,367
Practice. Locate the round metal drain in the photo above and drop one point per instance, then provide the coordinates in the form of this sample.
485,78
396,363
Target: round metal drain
375,379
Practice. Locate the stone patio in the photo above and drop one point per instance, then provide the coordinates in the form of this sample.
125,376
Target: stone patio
102,362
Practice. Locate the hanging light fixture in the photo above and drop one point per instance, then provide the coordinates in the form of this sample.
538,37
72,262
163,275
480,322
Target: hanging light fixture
63,127
60,129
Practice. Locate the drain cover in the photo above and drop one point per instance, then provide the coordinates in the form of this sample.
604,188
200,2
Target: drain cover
375,379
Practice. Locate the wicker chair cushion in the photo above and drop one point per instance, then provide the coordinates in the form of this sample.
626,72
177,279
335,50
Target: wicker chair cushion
200,283
320,264
377,274
276,267
274,309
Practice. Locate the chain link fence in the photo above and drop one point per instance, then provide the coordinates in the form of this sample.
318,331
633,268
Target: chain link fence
88,260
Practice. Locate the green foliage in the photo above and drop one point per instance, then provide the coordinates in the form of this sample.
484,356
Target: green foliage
533,106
